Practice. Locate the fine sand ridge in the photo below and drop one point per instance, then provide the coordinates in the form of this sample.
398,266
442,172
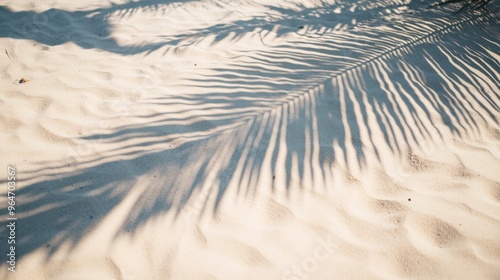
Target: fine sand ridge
190,140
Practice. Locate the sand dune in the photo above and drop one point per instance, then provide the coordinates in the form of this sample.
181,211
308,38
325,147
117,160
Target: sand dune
250,140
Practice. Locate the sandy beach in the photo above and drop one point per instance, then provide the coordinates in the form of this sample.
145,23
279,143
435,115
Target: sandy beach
215,139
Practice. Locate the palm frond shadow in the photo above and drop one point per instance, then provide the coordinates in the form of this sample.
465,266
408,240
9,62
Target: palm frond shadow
466,4
88,29
270,114
55,26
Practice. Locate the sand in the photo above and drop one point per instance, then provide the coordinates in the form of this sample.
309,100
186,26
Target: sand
249,140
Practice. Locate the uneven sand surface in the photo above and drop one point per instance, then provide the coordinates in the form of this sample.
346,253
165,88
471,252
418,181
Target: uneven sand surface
250,140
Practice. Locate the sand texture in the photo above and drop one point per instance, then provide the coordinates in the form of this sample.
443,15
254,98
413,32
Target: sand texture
247,140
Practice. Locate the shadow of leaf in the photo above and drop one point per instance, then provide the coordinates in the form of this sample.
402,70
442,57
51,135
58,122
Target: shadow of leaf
276,118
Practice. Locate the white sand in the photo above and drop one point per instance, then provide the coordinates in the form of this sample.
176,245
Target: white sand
247,140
